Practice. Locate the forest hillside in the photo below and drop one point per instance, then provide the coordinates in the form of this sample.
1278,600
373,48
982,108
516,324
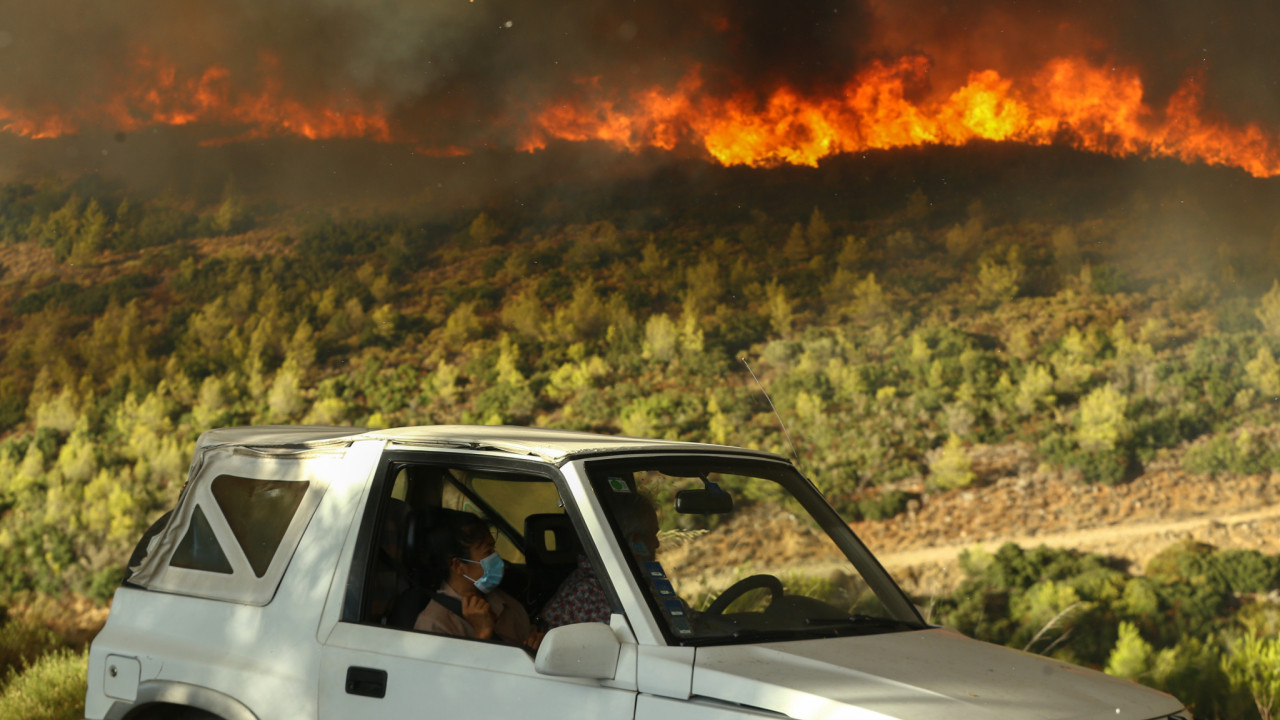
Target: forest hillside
1084,335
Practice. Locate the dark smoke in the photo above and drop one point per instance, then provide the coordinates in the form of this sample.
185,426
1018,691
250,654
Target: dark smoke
477,62
469,74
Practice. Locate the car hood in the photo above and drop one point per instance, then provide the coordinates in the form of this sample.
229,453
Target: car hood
931,674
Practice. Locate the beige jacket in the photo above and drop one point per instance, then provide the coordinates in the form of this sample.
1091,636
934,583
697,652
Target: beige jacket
512,621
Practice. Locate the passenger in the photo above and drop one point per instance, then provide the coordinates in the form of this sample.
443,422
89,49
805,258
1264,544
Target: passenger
581,597
460,551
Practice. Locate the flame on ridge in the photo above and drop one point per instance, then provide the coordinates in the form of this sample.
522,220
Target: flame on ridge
887,105
159,96
1069,101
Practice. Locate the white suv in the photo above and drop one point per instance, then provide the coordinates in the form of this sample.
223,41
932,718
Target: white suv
287,580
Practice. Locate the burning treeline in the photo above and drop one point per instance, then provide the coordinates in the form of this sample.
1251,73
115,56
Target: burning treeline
743,83
1068,101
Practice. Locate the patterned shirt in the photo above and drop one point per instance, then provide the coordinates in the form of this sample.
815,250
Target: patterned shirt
580,598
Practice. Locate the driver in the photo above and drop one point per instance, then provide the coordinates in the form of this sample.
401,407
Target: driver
460,551
581,597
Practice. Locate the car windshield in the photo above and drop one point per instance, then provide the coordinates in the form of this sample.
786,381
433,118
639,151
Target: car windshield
743,550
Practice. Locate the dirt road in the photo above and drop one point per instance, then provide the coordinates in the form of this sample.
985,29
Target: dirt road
1132,522
1127,540
921,548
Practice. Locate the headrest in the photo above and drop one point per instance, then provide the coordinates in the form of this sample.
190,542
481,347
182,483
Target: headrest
551,539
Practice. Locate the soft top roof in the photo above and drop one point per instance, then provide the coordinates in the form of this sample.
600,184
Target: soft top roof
547,444
278,435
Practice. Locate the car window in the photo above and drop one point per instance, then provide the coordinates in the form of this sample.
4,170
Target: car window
511,500
237,526
401,583
258,513
199,548
740,551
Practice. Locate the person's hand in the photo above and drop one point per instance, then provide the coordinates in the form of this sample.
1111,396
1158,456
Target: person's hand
476,610
534,640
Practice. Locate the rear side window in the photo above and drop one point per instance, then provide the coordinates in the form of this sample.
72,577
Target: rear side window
258,513
199,549
239,522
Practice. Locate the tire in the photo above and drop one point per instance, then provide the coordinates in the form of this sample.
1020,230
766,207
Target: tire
190,714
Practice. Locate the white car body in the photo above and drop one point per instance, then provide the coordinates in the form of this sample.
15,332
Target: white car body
273,636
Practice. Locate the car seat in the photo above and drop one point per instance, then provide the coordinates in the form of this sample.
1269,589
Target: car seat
415,594
551,551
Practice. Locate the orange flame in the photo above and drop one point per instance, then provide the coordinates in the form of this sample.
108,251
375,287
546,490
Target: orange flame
159,96
1068,101
888,105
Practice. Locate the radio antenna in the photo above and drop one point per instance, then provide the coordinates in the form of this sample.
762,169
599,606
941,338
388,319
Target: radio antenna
769,400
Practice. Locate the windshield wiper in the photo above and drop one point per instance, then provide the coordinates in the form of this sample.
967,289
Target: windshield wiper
758,634
826,627
868,622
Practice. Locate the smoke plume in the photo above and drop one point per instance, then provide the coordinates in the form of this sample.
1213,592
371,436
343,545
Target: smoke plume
451,77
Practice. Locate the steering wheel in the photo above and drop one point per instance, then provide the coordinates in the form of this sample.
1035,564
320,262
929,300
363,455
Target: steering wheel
742,587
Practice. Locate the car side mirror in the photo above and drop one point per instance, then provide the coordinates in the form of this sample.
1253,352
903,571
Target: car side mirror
582,650
704,501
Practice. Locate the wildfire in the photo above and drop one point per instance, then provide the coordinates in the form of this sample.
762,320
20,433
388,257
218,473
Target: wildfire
158,95
1069,101
890,104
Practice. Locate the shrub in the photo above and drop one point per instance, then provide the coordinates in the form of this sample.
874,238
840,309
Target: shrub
1253,667
1105,466
1047,614
998,283
1035,390
950,467
1049,600
1263,373
483,230
1105,279
1101,424
1244,454
1249,571
1192,671
883,506
20,644
1131,658
1194,587
51,688
55,293
1268,311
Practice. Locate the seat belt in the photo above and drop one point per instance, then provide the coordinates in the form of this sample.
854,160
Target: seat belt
450,603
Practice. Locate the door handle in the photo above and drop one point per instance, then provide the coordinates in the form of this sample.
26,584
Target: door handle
368,682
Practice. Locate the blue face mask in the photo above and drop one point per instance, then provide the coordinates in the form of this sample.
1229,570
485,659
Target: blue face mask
493,566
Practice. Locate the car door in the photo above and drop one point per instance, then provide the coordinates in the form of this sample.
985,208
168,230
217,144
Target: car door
369,669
